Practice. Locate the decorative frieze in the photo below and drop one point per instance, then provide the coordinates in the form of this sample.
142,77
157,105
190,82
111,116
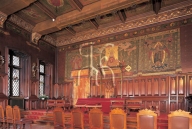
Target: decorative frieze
129,25
3,17
49,39
21,23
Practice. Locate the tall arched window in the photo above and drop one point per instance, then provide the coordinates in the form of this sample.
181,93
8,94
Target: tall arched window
13,74
41,78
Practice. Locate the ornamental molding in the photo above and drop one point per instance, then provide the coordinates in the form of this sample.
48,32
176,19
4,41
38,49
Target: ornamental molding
35,38
21,23
49,39
3,17
151,19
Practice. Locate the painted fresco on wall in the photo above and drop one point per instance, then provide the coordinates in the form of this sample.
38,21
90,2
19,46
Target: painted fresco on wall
157,53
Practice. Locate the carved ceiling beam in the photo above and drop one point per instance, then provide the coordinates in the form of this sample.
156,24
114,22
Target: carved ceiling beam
45,10
70,30
3,17
122,15
35,37
77,4
94,23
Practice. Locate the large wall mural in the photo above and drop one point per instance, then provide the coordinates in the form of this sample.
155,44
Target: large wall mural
157,53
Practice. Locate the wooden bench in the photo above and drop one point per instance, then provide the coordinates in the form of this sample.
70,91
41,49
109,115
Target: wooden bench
134,104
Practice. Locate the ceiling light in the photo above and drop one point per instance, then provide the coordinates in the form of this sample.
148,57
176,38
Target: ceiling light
53,19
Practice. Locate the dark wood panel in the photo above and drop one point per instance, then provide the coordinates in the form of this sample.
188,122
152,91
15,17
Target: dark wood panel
181,85
124,87
130,87
136,88
173,86
156,86
149,87
190,85
142,87
163,86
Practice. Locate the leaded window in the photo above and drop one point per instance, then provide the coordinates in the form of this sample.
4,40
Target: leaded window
41,79
13,74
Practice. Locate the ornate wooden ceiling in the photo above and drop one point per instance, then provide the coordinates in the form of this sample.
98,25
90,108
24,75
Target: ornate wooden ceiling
63,22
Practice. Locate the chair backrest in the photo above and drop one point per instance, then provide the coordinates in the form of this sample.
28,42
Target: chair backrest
16,113
96,118
50,102
2,116
77,118
146,119
58,117
59,103
179,119
117,118
9,114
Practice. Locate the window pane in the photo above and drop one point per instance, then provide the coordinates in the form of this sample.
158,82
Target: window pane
15,82
15,61
41,87
42,68
8,81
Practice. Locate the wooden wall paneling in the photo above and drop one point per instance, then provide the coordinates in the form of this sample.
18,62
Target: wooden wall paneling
173,85
190,85
130,87
173,106
181,85
148,104
149,87
181,103
70,89
65,89
163,106
163,86
136,87
142,87
125,87
118,87
156,86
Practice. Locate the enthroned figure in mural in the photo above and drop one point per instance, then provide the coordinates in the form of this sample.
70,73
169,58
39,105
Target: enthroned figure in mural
111,60
158,54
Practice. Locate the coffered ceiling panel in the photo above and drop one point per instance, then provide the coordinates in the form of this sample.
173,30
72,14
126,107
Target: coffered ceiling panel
58,7
33,15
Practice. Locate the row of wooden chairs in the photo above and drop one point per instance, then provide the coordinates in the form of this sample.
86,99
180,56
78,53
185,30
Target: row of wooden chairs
146,119
13,116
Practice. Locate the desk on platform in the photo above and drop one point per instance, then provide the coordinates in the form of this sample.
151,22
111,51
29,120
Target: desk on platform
104,102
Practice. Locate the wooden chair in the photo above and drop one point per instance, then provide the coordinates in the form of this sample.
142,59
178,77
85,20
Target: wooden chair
77,118
50,104
179,120
9,116
146,119
60,103
117,118
17,120
58,117
96,118
2,117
